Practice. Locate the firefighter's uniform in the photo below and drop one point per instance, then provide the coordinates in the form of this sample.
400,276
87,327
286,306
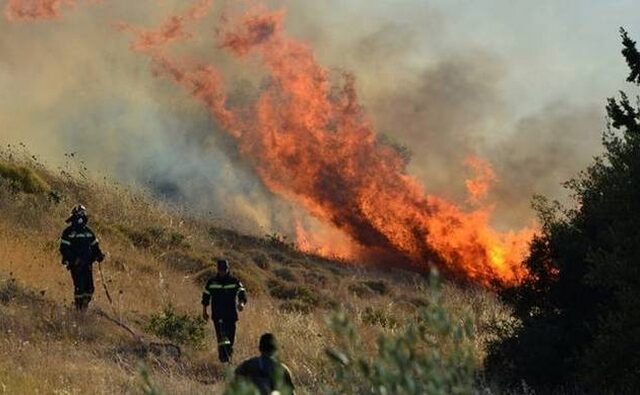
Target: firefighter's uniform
267,374
224,293
80,249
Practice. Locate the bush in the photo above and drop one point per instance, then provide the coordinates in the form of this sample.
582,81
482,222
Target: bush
154,237
295,307
179,328
433,355
288,292
23,178
360,290
578,311
378,317
367,288
285,274
8,290
261,260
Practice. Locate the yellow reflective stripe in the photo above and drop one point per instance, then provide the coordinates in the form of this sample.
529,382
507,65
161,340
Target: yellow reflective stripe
63,241
230,286
215,286
80,235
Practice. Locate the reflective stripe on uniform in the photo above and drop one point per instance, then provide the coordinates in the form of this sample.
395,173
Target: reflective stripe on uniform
206,291
82,296
230,286
215,286
241,289
224,343
94,242
80,235
63,241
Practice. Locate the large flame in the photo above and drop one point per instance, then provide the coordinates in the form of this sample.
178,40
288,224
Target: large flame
312,143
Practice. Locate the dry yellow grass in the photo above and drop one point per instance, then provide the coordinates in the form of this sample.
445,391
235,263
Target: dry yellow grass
157,256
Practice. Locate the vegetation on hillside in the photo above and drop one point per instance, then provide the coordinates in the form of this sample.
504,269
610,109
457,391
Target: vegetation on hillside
160,256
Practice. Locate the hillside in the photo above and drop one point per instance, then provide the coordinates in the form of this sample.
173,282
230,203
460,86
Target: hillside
160,256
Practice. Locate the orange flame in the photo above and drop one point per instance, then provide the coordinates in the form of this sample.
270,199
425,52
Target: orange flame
313,144
29,10
173,29
36,10
324,243
479,186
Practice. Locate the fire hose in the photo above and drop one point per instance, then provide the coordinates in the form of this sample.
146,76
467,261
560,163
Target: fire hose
104,284
154,347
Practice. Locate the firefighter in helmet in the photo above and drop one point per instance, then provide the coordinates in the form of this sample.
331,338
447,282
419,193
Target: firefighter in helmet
265,371
80,249
226,295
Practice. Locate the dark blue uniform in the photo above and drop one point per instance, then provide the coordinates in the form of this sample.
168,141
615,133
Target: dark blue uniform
223,293
80,248
267,374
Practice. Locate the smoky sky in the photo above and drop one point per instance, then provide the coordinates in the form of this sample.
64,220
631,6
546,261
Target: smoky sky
522,86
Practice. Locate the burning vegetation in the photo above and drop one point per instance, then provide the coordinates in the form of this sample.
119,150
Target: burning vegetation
311,142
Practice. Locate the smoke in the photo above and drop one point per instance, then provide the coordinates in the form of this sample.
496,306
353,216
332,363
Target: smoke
446,99
545,150
79,88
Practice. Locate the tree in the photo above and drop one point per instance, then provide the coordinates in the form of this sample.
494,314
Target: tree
580,310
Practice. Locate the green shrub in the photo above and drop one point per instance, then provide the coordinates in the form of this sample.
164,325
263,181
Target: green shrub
287,292
432,355
378,317
179,328
578,311
23,178
147,385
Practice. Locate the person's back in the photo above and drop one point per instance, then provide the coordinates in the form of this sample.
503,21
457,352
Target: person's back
265,371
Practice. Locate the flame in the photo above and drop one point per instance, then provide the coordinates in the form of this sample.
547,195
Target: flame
313,144
36,10
172,30
324,242
479,186
29,10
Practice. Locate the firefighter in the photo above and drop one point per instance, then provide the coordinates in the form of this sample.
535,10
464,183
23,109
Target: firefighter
265,371
80,249
227,295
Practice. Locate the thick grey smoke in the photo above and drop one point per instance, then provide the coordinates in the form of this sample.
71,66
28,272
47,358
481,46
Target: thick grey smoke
73,85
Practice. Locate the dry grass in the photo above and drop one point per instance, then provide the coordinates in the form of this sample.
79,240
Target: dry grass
158,255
